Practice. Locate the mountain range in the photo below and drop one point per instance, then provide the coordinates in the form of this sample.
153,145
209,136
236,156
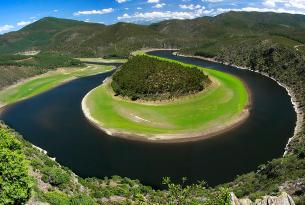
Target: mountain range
204,36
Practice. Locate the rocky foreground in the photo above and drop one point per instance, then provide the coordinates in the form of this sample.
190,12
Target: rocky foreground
283,199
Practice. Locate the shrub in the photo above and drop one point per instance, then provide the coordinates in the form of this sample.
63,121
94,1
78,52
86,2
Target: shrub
82,200
57,198
15,183
55,176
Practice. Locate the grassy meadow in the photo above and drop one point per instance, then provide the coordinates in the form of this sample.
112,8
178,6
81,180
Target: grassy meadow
51,79
218,105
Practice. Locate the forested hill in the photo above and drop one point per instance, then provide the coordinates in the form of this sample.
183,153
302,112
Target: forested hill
205,36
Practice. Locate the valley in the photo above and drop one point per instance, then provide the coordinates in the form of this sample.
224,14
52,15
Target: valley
70,135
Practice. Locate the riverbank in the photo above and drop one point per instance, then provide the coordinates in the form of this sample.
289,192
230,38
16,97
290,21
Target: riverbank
300,114
37,84
201,116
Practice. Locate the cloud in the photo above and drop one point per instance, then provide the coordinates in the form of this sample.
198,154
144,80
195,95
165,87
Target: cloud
23,23
93,12
292,4
158,16
190,6
212,1
269,3
120,1
55,10
249,9
158,6
6,28
153,1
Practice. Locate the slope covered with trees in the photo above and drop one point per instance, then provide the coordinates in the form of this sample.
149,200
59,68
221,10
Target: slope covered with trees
146,77
265,42
205,35
16,67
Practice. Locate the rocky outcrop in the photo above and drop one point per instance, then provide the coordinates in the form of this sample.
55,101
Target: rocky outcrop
283,199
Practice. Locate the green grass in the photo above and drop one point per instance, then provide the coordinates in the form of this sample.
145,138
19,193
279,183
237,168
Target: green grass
103,60
46,81
216,106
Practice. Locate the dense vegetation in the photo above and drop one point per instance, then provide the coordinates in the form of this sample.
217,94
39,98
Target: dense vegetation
16,67
146,77
15,183
288,67
57,185
262,41
205,35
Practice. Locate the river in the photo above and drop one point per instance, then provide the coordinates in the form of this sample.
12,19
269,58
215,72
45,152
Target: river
55,122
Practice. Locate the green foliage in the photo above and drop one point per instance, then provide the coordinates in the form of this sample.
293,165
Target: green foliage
269,177
145,77
82,200
181,194
55,176
15,183
45,60
16,67
204,35
220,197
60,198
57,198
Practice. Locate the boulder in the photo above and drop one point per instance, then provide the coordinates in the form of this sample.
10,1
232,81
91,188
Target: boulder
283,199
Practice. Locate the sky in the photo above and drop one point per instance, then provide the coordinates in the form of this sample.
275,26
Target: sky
15,14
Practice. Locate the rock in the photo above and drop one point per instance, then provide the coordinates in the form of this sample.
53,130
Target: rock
283,199
236,201
246,201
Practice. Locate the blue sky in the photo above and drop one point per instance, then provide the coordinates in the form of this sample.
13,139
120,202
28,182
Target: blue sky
14,14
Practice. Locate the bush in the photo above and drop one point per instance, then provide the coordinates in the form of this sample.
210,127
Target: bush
82,200
15,183
57,198
55,176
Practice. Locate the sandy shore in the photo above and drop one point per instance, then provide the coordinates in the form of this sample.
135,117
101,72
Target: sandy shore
296,106
168,138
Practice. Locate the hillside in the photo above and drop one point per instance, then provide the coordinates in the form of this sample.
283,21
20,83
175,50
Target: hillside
264,42
14,68
204,36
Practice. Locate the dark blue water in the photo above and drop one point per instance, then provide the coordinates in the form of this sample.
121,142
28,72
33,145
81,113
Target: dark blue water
54,121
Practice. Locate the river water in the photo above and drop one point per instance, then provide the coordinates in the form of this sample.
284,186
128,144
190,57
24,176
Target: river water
54,121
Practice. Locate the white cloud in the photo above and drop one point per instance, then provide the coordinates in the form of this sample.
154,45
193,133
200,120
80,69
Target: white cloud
157,16
153,1
212,1
55,10
120,1
249,9
190,6
298,4
92,12
139,8
6,28
292,4
158,6
269,3
23,23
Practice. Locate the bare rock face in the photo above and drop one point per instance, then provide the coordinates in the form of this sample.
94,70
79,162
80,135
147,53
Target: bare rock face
283,199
